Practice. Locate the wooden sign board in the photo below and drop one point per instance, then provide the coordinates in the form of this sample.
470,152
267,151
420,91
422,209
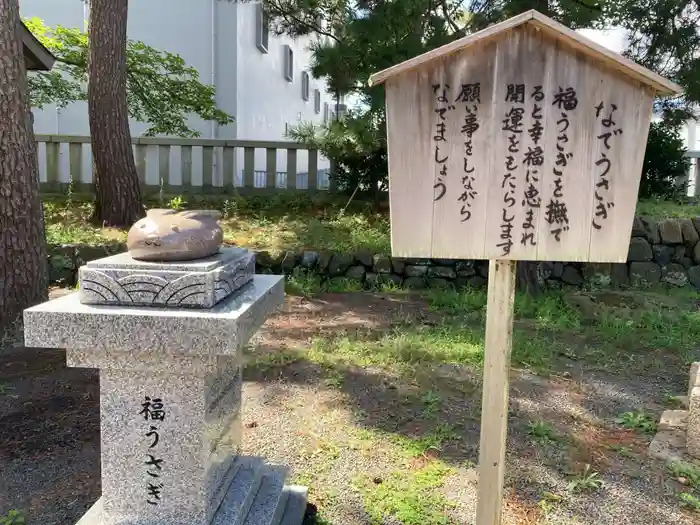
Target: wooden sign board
524,141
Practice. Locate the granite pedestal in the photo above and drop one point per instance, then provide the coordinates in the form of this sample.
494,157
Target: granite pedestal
170,399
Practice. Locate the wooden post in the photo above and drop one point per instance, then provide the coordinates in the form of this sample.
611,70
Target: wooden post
494,406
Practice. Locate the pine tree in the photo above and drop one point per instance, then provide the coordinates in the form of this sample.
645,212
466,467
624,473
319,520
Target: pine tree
23,263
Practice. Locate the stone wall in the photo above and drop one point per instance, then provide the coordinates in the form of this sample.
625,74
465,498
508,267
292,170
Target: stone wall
664,252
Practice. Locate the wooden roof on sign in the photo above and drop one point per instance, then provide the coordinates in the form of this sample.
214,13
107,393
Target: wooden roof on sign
552,28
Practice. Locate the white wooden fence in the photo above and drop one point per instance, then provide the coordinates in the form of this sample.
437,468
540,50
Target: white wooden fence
202,166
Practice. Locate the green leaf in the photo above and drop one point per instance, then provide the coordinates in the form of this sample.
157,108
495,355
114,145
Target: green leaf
162,90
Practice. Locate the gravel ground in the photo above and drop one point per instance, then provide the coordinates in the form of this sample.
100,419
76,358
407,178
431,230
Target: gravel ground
49,436
293,422
326,431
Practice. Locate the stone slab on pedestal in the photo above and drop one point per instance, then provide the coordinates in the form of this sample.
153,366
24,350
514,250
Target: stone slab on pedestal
170,399
124,281
156,331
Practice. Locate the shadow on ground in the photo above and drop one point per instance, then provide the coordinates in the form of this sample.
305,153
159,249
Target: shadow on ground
578,399
49,436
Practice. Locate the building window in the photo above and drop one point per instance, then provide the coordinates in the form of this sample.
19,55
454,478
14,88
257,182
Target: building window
304,85
288,63
325,112
317,101
262,29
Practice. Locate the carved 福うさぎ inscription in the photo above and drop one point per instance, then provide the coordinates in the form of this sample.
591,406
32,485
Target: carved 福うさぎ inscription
153,412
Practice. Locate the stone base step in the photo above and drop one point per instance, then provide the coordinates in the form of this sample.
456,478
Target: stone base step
295,510
256,495
241,492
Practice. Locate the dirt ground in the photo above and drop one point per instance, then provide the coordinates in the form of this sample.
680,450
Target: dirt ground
323,423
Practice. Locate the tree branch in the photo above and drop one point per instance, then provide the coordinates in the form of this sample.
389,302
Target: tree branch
67,62
286,14
448,17
595,7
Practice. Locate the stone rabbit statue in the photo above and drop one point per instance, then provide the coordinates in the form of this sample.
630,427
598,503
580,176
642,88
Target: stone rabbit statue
170,235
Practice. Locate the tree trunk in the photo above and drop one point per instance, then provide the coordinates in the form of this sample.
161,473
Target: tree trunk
23,264
117,192
526,278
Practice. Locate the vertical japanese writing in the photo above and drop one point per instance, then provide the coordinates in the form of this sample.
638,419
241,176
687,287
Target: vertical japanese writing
152,411
470,95
533,160
610,129
442,106
513,124
557,214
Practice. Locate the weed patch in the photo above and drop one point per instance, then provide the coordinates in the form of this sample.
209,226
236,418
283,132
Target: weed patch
637,420
689,501
541,433
13,517
587,480
409,497
427,444
688,473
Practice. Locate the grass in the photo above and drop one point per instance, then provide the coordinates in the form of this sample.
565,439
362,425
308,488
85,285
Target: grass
409,493
660,209
431,402
277,223
409,497
546,330
428,443
689,501
307,283
688,472
622,333
13,517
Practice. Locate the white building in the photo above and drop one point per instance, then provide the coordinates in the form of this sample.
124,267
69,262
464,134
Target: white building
261,79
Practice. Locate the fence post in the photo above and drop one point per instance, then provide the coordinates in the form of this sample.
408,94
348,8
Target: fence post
157,155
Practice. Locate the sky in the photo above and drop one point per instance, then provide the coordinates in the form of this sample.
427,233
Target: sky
613,39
